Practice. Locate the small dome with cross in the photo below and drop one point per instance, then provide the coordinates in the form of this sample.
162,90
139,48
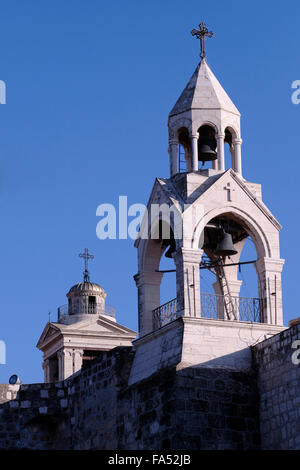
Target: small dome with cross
84,298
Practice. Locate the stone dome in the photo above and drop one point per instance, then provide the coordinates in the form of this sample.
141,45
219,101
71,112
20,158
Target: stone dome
82,287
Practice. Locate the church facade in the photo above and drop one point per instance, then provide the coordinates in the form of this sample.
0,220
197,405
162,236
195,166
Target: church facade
85,327
207,370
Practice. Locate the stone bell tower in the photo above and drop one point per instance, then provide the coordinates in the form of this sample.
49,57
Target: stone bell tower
214,210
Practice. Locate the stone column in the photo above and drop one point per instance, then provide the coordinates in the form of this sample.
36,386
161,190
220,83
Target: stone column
173,152
60,365
195,152
232,153
65,364
269,288
77,359
188,282
221,155
188,160
148,284
46,367
237,156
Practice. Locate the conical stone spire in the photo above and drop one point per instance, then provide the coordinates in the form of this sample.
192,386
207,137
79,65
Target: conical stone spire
203,91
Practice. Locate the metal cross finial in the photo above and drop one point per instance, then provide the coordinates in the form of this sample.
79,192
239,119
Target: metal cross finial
86,255
201,34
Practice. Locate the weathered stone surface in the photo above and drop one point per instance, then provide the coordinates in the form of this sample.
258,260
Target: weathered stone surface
279,389
173,409
176,408
8,392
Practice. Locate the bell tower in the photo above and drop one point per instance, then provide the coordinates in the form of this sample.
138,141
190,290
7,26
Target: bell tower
204,213
203,119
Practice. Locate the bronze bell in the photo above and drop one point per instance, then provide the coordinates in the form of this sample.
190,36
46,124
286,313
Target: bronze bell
207,144
206,150
225,246
172,249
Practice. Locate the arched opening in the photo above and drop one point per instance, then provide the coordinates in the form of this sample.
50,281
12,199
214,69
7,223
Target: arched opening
184,150
159,279
229,148
92,304
228,278
166,263
247,272
168,283
207,146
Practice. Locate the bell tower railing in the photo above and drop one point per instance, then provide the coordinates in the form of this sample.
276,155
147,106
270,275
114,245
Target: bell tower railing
165,314
213,306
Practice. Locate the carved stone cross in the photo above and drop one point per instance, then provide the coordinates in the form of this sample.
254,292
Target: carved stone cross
229,190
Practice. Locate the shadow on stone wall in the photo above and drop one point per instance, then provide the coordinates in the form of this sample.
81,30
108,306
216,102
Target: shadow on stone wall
190,408
177,408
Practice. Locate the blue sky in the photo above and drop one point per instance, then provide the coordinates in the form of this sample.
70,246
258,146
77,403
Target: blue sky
89,88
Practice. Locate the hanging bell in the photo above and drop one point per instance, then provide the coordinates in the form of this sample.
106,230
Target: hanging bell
171,249
206,149
225,246
207,144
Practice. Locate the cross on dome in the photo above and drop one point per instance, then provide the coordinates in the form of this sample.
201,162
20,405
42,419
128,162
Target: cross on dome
86,256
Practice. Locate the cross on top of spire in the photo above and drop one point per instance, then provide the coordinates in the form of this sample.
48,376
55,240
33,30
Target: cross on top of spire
201,34
86,256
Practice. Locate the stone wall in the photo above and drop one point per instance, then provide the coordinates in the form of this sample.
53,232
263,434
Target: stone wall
192,408
79,413
217,409
193,342
94,402
279,389
177,408
35,418
159,349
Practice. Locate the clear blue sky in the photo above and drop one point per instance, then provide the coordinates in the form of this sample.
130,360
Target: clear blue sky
89,88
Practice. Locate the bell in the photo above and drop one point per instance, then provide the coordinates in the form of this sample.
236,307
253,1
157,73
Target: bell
206,149
225,246
171,250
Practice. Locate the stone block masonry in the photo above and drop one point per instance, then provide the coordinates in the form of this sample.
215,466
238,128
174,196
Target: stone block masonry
78,413
193,408
279,391
190,409
176,408
8,392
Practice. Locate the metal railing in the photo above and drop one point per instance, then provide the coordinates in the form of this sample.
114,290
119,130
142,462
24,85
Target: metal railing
244,308
165,314
248,309
91,309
